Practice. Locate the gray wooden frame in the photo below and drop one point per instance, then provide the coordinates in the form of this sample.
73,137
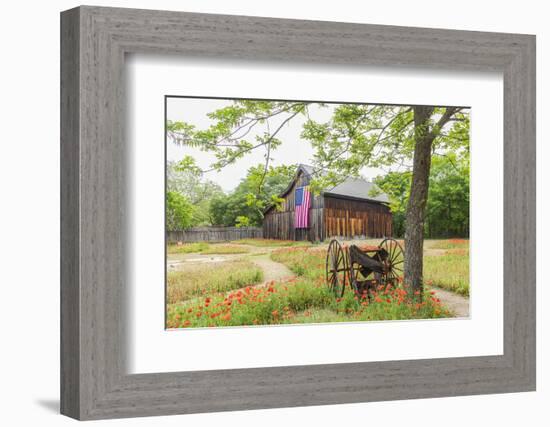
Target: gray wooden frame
94,382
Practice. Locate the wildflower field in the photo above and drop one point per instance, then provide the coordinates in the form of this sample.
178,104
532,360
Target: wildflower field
198,281
272,243
207,249
451,269
234,294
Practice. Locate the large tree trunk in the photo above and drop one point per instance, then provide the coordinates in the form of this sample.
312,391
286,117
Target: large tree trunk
416,208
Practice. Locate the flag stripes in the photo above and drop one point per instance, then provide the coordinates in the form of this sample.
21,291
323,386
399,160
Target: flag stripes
302,203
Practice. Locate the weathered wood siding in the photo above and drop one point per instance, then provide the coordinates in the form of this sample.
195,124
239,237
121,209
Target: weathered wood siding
354,218
279,223
213,234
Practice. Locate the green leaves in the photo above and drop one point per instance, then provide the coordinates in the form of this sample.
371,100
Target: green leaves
255,193
179,132
358,136
448,208
237,129
187,165
397,186
179,211
355,136
184,177
242,221
447,211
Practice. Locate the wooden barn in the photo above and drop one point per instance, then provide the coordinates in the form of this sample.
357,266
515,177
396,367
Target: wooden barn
345,211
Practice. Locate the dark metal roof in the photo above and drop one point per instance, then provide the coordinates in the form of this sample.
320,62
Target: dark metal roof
357,188
308,169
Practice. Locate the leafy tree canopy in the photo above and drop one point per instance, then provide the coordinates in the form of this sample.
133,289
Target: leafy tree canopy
447,212
257,191
355,136
179,211
183,178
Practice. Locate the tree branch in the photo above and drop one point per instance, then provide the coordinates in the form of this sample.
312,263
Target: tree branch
443,120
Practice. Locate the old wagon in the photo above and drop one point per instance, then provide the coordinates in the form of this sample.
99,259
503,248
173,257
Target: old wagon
363,268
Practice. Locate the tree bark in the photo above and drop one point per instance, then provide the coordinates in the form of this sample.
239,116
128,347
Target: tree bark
416,207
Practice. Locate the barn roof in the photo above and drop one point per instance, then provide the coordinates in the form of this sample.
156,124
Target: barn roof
357,188
351,188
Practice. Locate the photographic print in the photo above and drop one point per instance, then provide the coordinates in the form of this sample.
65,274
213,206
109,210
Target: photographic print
296,212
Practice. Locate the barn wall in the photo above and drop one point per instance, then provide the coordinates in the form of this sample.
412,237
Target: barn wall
352,218
279,224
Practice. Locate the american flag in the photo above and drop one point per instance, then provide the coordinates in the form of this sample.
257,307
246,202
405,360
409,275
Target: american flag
302,198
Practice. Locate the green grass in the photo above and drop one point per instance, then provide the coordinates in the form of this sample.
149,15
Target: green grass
187,248
449,271
225,249
309,263
270,243
207,248
449,244
235,247
219,277
304,299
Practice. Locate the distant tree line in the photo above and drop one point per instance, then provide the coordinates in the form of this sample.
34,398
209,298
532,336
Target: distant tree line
194,201
448,205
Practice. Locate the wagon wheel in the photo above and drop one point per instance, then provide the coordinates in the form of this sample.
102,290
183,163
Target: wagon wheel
394,262
336,268
365,285
354,278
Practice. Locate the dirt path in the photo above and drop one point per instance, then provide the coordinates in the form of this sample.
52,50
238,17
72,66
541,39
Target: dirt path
272,270
458,304
260,256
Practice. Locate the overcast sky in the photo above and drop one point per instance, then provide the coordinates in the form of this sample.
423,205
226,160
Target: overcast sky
293,149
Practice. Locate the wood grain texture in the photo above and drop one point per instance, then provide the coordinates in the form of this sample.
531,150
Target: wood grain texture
94,241
70,314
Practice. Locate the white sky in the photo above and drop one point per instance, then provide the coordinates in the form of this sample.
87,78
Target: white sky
293,149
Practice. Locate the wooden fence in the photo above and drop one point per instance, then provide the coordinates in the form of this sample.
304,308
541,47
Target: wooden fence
213,234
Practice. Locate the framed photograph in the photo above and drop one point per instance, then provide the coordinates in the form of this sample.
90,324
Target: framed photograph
279,236
261,213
